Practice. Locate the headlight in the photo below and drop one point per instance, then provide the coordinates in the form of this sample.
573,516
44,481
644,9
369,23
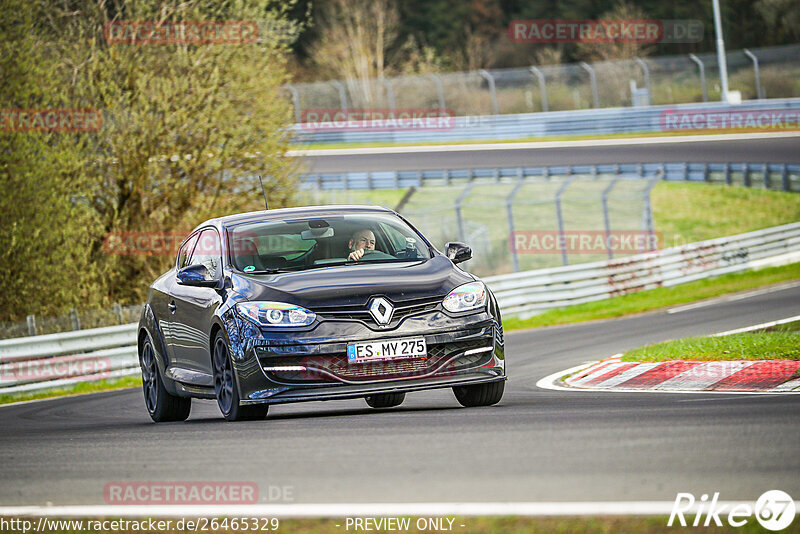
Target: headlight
466,297
276,313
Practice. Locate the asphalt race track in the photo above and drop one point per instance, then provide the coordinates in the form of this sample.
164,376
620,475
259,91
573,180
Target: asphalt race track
776,150
536,445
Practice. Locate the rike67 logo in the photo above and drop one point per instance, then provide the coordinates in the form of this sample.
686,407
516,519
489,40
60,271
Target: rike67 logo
774,510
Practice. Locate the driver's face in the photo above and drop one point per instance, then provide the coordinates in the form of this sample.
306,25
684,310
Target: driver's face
363,239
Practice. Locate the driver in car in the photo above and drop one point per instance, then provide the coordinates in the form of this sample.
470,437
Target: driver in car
360,241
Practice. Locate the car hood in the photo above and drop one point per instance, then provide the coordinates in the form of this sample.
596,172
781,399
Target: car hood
349,285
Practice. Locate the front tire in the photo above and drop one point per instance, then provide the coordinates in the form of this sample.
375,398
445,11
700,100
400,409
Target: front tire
385,400
480,394
161,405
226,389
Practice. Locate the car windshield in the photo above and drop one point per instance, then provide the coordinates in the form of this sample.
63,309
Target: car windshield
322,241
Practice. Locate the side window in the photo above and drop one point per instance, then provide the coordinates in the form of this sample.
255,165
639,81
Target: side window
185,253
208,252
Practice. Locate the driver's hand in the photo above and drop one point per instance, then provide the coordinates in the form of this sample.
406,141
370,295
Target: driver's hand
356,254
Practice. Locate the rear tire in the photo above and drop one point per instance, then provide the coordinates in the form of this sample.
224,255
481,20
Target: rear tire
161,405
480,394
226,389
385,400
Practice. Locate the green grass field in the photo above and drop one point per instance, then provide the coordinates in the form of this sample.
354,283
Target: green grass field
780,343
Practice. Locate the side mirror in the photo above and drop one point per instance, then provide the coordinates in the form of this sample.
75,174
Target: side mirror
457,252
196,276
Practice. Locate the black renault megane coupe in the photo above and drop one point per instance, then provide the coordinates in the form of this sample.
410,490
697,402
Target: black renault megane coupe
316,303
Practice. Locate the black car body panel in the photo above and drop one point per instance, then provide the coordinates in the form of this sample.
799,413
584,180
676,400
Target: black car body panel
290,364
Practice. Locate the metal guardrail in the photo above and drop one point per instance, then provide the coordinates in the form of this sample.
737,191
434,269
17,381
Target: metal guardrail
41,362
781,176
55,360
650,119
528,293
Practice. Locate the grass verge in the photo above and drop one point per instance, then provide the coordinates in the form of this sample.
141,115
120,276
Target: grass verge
76,389
777,344
662,297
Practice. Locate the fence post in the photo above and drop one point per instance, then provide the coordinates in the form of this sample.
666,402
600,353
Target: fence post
492,91
754,59
606,217
459,202
560,220
342,96
369,181
510,213
593,80
702,75
118,310
747,175
76,321
647,211
784,177
706,177
766,176
295,101
31,325
542,86
646,71
439,90
389,92
728,180
405,199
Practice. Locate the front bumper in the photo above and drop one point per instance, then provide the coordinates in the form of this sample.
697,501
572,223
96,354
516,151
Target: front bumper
305,366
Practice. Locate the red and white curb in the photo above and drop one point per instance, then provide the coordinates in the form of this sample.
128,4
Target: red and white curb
684,375
614,375
681,376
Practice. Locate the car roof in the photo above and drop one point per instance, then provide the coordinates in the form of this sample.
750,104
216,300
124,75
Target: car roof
290,213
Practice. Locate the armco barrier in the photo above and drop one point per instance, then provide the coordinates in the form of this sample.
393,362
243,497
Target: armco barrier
607,121
519,294
54,360
528,293
781,176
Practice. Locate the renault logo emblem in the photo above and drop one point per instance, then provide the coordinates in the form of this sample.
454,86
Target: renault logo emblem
381,310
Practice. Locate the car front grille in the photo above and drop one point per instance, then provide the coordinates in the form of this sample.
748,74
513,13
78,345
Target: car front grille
335,367
361,313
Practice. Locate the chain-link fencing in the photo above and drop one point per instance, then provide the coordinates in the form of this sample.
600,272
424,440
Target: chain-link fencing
757,73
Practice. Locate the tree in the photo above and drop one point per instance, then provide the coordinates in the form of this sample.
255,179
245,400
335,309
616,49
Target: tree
355,38
186,125
44,239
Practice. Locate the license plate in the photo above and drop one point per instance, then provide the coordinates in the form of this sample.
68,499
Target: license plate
387,350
